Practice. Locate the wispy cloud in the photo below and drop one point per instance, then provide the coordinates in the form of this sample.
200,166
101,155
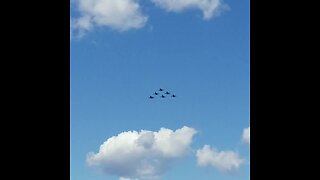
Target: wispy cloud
144,155
224,161
246,135
121,15
123,178
209,8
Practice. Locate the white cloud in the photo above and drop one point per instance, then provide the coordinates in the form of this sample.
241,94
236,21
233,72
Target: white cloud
120,15
144,154
246,135
209,8
224,161
123,178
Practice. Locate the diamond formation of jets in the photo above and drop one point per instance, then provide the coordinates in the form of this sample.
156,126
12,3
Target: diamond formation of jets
162,94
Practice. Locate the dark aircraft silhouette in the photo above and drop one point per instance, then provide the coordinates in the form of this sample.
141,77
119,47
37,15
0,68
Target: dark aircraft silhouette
162,94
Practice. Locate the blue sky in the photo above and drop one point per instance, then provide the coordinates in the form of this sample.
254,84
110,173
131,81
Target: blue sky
205,62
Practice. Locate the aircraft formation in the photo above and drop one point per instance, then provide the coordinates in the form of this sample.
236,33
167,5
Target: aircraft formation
162,94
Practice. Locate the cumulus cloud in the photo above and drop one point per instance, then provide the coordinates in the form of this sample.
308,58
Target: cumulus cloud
120,15
123,15
209,8
246,135
143,155
224,161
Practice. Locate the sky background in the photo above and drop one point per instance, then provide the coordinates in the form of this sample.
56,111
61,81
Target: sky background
204,62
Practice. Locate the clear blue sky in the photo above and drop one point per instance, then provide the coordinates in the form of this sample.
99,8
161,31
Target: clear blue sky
204,62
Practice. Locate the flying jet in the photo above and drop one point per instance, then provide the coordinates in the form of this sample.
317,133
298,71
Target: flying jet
173,95
162,96
151,97
155,93
160,89
167,92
